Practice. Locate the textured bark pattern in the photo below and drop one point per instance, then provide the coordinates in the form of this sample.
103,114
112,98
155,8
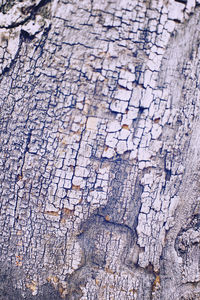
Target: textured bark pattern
99,138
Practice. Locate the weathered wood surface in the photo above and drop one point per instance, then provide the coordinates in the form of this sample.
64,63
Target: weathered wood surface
100,145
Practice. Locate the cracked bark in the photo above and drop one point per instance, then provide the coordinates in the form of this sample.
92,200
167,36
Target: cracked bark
99,139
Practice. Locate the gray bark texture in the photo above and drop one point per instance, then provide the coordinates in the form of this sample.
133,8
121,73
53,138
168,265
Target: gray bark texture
100,149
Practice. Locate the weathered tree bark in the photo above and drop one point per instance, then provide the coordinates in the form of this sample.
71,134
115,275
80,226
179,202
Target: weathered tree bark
100,149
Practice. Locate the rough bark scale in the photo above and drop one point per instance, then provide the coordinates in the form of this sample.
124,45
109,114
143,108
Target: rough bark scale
100,149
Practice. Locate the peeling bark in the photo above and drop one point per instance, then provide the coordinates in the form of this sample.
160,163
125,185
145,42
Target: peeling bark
99,139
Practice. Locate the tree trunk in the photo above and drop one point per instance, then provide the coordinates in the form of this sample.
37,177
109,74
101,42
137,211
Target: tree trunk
100,149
